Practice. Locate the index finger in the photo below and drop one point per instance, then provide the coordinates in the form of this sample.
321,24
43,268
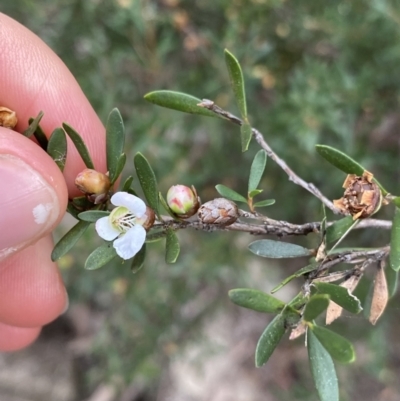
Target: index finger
34,79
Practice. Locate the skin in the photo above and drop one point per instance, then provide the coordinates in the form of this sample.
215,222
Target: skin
33,78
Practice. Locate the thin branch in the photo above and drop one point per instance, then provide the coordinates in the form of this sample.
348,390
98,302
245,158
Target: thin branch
210,105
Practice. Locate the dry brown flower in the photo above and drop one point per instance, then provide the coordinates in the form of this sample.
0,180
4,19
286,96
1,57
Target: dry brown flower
8,118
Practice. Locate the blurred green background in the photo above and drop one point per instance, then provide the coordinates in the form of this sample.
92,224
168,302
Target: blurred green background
316,72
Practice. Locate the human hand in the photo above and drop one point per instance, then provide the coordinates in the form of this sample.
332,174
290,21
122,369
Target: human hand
33,191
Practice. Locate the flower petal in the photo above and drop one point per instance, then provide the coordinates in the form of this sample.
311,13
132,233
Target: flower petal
106,230
131,243
132,202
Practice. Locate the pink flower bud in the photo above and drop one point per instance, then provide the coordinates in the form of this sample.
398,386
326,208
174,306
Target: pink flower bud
183,201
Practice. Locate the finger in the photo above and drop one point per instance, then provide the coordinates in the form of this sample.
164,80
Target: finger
33,196
33,78
15,338
31,289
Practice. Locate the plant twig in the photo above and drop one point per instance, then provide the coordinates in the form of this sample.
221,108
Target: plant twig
210,105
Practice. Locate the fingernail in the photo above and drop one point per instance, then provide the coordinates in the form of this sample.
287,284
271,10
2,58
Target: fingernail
28,205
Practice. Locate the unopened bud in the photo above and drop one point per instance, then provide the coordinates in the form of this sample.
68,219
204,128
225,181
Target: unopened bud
183,201
362,196
94,184
8,118
218,211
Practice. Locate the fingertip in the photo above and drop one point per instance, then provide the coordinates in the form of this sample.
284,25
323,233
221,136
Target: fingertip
16,338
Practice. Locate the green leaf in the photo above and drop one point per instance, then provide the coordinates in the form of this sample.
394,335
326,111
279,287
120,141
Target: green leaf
315,306
257,169
33,125
164,204
276,249
343,162
338,347
100,256
172,247
338,228
245,135
230,193
120,166
266,202
340,160
127,184
138,260
256,300
91,216
40,135
392,278
72,210
237,82
395,241
69,240
155,236
80,145
178,101
322,369
147,181
304,270
57,147
254,193
115,141
270,339
396,201
340,295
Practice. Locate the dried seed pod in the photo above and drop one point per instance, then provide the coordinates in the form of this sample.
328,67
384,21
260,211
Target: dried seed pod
93,184
8,118
218,211
362,197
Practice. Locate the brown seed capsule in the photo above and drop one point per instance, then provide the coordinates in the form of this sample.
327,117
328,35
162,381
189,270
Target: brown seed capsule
362,197
8,118
94,184
218,211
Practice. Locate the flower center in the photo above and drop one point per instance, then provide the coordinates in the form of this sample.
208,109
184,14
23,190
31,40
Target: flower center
122,219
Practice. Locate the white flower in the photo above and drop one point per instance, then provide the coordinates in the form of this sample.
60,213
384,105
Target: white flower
125,223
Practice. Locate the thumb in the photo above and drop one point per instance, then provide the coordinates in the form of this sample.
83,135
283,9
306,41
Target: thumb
33,193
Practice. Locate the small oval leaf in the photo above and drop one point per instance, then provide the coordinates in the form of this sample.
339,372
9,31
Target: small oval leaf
115,141
270,339
276,249
230,193
178,101
33,125
138,260
92,216
392,278
257,169
254,193
306,269
100,256
256,300
322,369
172,247
40,135
245,134
266,202
338,228
57,147
395,242
237,82
340,295
127,184
80,145
147,181
69,240
340,160
315,306
338,347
